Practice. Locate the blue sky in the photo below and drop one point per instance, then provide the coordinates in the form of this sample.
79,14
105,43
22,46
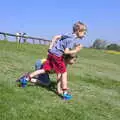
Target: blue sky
46,18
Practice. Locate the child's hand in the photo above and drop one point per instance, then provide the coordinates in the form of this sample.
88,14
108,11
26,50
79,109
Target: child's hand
78,48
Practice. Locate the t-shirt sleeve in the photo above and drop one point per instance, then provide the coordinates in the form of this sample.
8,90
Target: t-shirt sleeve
64,37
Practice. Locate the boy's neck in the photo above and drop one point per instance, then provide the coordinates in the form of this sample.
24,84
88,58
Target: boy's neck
74,35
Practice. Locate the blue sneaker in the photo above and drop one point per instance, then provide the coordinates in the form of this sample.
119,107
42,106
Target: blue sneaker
23,81
67,96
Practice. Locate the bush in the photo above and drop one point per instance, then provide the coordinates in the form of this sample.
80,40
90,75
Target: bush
113,47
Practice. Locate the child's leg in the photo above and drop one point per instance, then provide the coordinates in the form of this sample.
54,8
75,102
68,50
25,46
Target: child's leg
64,81
29,76
66,96
37,72
59,86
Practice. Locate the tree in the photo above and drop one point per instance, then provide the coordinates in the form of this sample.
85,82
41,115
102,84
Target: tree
113,47
99,44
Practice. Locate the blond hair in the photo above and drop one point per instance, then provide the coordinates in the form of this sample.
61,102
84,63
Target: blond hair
77,26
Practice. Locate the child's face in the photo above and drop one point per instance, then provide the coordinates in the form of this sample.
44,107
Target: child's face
81,32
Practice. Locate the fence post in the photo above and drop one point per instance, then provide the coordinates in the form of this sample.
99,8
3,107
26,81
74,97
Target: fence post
5,36
24,39
17,37
39,41
33,41
24,36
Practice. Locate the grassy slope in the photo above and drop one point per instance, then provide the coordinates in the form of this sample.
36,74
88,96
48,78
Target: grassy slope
94,81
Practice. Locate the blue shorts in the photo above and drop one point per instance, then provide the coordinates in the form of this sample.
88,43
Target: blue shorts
44,79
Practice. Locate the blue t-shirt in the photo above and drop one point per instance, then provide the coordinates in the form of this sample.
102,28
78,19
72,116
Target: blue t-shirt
67,41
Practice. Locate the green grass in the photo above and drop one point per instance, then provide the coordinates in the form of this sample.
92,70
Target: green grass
94,82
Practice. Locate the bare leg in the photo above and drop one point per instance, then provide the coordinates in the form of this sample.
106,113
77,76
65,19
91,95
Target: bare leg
64,81
37,72
59,89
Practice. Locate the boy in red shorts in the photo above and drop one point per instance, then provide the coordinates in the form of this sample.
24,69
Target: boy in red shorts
66,44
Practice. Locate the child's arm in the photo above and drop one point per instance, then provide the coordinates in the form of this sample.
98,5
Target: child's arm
55,38
74,51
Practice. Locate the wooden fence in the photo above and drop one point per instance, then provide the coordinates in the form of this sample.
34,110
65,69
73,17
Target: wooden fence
24,38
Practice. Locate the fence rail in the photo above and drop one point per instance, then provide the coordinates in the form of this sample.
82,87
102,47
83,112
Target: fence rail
25,38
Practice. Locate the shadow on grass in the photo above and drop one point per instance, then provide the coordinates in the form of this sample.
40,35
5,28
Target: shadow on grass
51,87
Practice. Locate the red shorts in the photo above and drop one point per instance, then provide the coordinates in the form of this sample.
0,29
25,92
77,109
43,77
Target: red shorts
54,63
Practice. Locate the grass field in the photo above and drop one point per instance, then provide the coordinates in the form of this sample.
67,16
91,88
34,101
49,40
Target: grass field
94,81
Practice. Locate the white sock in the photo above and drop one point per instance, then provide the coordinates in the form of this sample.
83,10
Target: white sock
33,80
65,92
